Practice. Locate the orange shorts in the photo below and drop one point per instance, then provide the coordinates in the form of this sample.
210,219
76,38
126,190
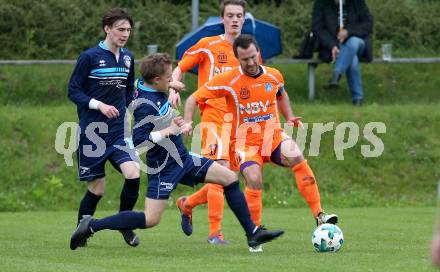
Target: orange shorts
256,154
215,141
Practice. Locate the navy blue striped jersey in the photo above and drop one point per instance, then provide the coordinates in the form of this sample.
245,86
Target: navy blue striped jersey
99,75
153,113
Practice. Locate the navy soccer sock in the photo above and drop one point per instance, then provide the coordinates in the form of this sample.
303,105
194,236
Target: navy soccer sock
125,220
88,204
129,194
237,203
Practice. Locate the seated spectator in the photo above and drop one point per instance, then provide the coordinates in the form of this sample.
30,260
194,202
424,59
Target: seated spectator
344,45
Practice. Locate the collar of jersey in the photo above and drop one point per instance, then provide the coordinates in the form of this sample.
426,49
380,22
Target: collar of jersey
262,71
102,46
142,87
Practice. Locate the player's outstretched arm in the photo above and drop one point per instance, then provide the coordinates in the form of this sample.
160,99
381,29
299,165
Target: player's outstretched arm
190,108
284,105
286,110
177,126
177,74
176,86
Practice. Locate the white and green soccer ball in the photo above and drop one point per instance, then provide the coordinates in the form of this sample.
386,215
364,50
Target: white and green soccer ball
327,238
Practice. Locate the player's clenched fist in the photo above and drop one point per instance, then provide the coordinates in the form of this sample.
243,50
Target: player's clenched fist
183,126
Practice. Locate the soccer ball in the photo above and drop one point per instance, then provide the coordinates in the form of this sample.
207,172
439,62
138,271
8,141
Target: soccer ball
327,238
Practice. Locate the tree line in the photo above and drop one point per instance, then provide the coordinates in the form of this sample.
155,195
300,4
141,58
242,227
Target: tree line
61,29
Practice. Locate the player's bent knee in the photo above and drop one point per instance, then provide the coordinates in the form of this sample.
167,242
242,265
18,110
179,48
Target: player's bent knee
97,187
152,221
132,174
149,222
254,178
97,192
130,170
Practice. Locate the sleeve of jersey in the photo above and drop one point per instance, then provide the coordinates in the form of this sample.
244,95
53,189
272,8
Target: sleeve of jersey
280,87
191,58
77,91
210,90
129,95
144,117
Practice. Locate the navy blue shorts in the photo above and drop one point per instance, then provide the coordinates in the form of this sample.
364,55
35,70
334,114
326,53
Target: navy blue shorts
91,165
161,185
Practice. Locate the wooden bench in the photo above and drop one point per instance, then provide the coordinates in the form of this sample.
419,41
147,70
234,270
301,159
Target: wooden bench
312,64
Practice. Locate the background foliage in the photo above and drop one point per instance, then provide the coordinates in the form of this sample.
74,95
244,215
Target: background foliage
61,29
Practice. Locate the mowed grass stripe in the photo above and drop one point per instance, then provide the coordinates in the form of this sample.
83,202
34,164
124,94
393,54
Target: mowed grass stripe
377,239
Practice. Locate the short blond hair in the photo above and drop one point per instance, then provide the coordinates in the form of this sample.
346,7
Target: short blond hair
154,65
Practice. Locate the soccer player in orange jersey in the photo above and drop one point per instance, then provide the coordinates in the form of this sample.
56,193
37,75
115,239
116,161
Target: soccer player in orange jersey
254,94
213,55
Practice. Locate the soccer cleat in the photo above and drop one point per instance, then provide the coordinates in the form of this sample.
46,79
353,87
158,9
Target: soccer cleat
217,240
256,249
186,215
324,218
130,237
261,235
82,232
82,243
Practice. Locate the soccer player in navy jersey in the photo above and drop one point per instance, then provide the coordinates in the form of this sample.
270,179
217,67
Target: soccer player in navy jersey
157,129
101,86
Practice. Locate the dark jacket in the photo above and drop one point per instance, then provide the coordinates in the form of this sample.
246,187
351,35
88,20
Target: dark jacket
325,25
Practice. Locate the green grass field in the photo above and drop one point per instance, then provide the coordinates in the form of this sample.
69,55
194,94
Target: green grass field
377,239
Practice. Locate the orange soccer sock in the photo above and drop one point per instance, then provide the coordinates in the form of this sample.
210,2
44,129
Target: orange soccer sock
216,202
255,204
198,198
307,186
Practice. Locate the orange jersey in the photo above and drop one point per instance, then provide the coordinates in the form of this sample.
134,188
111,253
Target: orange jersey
214,55
253,104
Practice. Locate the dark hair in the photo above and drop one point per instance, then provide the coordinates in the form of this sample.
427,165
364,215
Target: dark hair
244,41
224,3
116,14
154,65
